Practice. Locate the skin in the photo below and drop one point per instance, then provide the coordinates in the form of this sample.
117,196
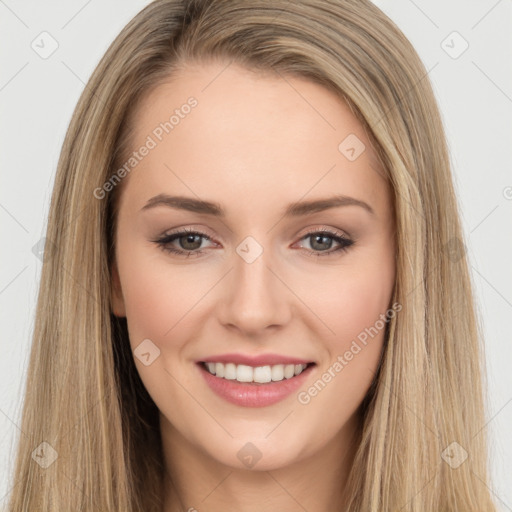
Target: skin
254,144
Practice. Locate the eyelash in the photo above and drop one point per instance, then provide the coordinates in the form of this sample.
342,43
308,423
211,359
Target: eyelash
165,241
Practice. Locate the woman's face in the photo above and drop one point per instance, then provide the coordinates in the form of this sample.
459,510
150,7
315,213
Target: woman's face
273,272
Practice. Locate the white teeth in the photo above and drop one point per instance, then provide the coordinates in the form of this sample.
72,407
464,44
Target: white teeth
260,374
277,372
219,370
244,373
230,371
289,371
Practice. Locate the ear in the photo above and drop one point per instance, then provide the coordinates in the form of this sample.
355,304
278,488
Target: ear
116,293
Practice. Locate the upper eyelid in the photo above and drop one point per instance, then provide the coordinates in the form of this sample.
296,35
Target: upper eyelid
203,232
332,232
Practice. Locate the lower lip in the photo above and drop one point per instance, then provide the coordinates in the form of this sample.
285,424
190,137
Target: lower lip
252,394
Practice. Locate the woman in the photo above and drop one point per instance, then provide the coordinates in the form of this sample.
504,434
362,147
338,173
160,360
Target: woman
242,371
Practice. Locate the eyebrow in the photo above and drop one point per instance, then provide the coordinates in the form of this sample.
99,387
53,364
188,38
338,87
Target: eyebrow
296,209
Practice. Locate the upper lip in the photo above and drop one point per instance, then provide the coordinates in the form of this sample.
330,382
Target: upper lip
254,360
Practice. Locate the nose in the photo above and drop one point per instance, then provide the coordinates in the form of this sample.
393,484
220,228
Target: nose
254,297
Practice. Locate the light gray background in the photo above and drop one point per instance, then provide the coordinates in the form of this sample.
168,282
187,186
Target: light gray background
474,90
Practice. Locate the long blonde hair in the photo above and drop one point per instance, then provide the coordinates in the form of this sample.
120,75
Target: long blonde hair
84,397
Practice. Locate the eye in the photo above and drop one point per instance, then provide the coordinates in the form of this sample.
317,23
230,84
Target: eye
188,239
190,242
319,239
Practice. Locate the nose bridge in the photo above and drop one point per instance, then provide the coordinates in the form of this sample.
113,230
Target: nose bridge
255,297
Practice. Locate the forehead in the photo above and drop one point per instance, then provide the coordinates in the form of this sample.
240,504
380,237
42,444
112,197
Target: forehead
223,132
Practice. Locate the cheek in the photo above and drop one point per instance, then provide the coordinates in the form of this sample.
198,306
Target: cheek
149,307
358,307
159,306
157,296
362,292
361,295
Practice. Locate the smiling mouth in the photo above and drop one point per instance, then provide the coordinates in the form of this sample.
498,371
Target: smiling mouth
254,374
